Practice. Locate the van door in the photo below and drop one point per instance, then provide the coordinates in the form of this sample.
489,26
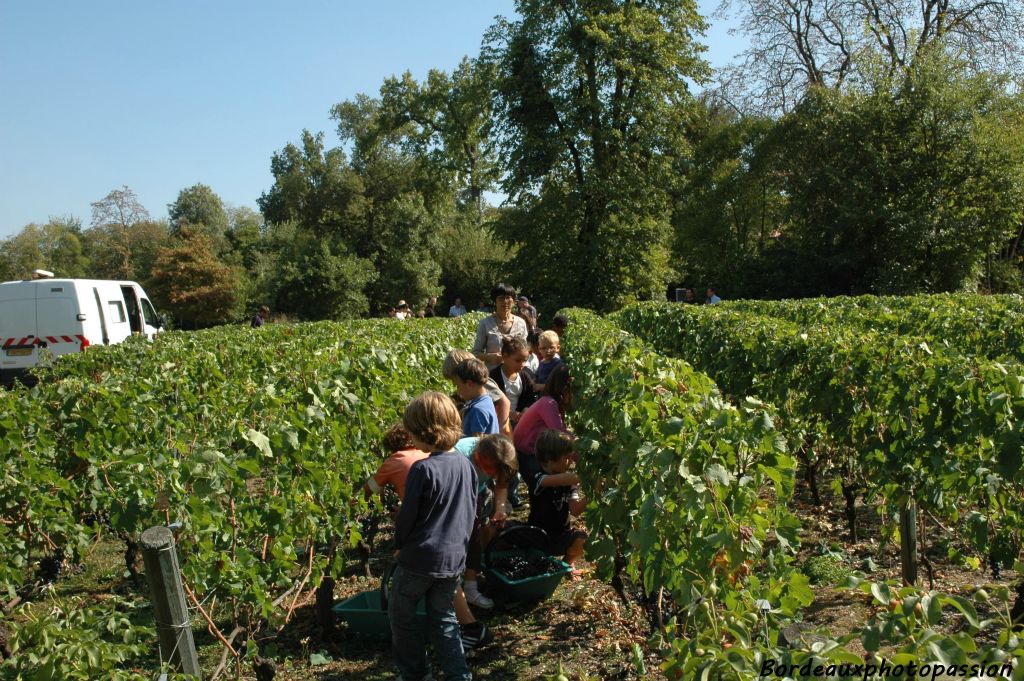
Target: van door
57,311
150,318
18,333
134,309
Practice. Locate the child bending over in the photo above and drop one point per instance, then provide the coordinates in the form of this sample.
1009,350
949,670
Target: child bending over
495,460
402,455
432,534
555,494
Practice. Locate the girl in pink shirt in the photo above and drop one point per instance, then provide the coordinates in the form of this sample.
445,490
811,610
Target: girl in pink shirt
546,412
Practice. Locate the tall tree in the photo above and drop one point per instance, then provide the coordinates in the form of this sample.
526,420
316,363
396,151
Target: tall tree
123,240
908,188
447,121
592,99
199,206
799,44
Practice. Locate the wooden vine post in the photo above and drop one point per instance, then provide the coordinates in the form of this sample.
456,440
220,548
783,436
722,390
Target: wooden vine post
908,542
173,623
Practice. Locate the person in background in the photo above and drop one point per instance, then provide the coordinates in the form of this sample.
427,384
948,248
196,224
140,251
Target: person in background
493,329
432,535
431,309
478,415
559,323
402,310
260,318
690,298
712,298
555,495
528,313
458,309
392,313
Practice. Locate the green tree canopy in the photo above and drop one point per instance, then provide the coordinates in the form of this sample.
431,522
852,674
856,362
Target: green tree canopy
592,99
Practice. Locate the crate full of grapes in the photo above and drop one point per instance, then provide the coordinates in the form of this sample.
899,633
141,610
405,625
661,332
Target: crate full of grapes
522,572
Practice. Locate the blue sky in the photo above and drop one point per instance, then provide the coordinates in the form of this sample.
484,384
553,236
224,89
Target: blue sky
161,96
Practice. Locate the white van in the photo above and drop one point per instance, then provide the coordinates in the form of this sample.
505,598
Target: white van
67,315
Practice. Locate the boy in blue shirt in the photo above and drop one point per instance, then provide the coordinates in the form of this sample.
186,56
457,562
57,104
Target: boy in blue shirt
432,535
478,415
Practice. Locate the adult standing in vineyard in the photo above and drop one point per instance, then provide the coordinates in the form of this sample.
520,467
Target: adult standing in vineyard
260,317
494,328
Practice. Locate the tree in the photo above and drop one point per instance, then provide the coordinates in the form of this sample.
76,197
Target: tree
729,206
796,45
447,121
189,281
117,252
55,246
123,241
592,98
315,278
199,206
904,188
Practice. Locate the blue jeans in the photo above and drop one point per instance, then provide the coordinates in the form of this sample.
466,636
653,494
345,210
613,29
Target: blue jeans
407,639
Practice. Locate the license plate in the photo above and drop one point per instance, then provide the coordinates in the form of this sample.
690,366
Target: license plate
19,352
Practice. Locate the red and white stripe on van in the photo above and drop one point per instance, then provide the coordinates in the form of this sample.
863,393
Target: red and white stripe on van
51,340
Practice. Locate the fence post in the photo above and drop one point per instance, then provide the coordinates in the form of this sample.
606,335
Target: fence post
908,542
173,624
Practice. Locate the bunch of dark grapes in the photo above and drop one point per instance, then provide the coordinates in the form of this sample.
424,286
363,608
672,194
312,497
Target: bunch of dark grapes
517,567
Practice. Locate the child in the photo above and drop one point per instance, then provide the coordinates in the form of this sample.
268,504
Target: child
501,407
533,361
549,344
555,494
478,415
494,457
547,412
511,377
432,534
395,468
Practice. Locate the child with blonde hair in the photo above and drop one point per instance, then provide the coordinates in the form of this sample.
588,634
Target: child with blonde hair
432,534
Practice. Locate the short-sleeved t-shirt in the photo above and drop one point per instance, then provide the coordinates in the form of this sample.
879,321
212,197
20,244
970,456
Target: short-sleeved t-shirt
543,414
489,338
395,470
513,390
549,506
479,417
546,366
466,446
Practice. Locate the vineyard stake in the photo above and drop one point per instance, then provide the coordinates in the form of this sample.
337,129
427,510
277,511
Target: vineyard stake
173,624
908,542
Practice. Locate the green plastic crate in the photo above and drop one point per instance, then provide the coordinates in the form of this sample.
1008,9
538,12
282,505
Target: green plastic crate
532,588
365,617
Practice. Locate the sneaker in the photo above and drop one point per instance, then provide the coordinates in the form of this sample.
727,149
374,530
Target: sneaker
479,600
475,635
